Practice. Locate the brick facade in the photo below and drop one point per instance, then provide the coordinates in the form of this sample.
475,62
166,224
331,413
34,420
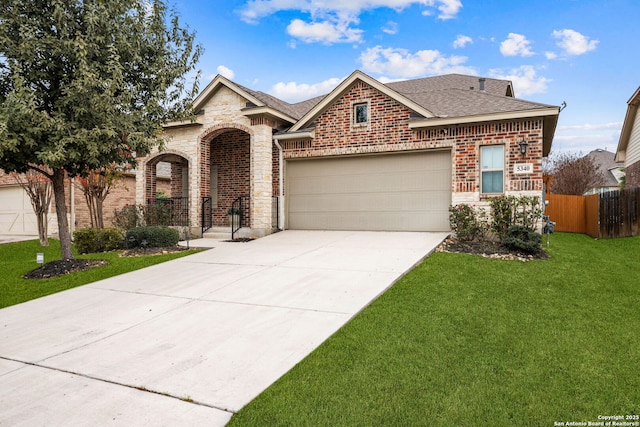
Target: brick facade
240,149
229,156
388,131
632,175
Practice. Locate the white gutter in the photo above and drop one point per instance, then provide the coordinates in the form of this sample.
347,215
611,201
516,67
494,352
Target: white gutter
280,185
295,135
445,121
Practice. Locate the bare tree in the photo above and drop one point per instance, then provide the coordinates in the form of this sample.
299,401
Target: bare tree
40,191
573,173
96,186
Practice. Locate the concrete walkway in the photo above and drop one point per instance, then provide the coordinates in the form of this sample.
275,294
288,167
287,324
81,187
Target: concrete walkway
191,341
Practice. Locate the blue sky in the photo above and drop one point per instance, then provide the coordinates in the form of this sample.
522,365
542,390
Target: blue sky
582,52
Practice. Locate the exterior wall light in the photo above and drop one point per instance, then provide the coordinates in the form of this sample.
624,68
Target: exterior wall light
523,147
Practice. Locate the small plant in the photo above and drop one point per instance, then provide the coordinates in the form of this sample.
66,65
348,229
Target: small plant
128,217
521,238
159,212
467,223
508,211
93,240
234,211
151,237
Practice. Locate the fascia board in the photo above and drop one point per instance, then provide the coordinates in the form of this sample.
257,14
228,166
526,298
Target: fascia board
346,83
625,133
215,84
256,111
446,121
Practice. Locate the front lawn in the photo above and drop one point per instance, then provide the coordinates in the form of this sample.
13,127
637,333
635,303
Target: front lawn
16,259
468,341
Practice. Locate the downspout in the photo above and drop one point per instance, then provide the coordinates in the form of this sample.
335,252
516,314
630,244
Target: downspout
280,185
72,193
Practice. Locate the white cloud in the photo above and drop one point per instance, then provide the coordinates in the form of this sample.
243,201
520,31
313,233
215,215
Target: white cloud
574,43
331,20
390,28
254,10
226,72
550,55
401,63
449,8
461,41
592,127
295,92
516,45
324,32
525,80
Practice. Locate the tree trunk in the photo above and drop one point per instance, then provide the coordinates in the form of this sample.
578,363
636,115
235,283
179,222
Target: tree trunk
42,228
61,211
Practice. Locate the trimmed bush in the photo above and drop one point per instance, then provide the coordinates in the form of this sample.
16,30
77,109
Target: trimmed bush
93,240
467,223
521,238
151,237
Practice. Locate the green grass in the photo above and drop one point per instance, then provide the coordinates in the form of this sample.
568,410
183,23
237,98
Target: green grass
16,259
467,341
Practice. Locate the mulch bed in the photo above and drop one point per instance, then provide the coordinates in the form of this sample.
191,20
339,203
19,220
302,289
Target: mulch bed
63,266
488,249
66,266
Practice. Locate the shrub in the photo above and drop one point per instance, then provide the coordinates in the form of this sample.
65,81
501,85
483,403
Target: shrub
466,223
93,240
151,237
159,212
508,211
503,214
112,238
521,238
128,217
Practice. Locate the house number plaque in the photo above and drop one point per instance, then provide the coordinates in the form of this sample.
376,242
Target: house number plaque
522,168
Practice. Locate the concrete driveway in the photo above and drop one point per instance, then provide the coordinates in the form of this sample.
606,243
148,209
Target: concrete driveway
191,341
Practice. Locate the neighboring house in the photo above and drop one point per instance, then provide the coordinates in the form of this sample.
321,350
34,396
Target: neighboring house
367,156
629,145
17,216
612,172
16,213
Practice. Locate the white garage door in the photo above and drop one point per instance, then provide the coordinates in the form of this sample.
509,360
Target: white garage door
392,192
16,213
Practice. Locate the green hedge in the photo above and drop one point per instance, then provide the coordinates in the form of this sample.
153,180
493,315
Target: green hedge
92,240
151,237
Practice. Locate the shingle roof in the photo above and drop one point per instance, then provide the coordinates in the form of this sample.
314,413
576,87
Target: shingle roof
465,102
451,95
606,162
452,81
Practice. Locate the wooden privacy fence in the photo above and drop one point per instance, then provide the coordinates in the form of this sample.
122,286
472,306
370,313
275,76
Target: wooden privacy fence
612,214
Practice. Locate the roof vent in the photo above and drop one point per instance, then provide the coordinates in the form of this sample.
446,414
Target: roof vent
481,83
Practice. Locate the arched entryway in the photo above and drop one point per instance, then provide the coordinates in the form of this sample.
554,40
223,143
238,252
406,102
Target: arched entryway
167,186
225,165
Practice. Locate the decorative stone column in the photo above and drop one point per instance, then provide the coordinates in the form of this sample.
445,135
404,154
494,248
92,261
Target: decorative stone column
261,180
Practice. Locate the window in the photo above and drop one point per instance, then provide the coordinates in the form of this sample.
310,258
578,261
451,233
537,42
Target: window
360,114
492,168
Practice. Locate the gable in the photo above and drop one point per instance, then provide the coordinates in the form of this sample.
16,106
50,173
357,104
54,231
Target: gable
345,86
387,119
629,144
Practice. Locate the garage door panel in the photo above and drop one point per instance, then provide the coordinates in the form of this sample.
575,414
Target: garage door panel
410,191
16,213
